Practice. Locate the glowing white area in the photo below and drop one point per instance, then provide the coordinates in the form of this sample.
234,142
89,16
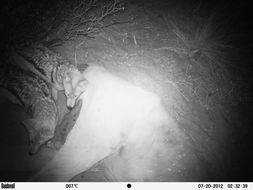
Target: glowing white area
114,113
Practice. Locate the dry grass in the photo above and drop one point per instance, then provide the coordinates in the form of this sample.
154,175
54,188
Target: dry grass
207,53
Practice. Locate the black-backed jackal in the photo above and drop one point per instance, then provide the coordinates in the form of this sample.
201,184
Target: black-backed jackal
53,68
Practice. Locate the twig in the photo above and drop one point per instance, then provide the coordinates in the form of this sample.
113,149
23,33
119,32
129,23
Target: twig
179,91
75,59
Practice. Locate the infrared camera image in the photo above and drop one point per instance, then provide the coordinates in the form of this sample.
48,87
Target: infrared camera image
119,91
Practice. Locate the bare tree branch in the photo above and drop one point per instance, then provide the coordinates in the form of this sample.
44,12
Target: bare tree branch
86,17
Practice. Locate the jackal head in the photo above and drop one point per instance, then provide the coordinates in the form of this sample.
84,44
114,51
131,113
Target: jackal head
74,86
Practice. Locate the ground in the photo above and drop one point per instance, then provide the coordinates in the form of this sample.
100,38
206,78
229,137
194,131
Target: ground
178,54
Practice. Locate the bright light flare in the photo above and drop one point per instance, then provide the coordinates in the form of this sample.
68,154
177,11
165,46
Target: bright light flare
114,113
